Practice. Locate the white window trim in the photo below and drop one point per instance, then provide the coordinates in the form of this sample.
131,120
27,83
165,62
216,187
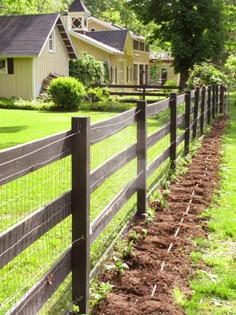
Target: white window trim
6,70
52,38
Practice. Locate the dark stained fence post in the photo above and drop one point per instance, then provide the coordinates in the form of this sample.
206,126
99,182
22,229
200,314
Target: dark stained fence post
141,156
202,117
213,101
173,129
187,121
209,105
195,113
217,99
221,99
80,204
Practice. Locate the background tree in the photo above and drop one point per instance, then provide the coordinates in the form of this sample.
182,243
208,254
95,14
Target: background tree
193,27
230,26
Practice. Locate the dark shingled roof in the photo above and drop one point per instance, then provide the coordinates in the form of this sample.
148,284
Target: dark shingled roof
115,39
25,35
78,6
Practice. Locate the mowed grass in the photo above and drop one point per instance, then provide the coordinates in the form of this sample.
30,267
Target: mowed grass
23,196
214,288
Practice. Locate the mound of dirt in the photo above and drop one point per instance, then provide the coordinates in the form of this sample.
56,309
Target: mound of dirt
160,261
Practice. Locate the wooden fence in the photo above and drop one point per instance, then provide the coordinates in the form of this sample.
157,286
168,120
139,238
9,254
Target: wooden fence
141,91
201,106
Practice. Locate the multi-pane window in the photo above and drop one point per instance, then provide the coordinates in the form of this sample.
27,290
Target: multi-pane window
3,66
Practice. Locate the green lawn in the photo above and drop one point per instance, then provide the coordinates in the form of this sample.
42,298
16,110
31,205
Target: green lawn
214,290
26,194
20,126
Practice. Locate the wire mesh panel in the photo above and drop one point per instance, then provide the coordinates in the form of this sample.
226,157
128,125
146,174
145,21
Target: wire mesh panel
29,214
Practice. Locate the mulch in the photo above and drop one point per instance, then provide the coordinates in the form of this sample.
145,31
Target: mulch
161,259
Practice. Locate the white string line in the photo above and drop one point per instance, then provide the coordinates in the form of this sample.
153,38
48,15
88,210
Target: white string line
115,124
37,150
188,207
33,166
33,230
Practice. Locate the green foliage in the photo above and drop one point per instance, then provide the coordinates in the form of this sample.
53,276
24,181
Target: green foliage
133,236
66,93
99,291
88,70
120,266
127,251
194,29
98,94
205,74
230,68
8,7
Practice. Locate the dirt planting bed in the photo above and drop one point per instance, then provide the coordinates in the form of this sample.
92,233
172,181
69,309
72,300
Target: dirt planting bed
160,261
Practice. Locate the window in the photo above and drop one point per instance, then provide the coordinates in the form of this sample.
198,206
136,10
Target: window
93,30
136,45
135,72
141,46
76,23
147,49
3,66
51,42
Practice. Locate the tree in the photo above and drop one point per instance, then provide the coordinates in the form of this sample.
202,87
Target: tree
88,70
230,26
193,27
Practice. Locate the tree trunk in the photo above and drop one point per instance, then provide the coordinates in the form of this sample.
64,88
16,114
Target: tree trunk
183,78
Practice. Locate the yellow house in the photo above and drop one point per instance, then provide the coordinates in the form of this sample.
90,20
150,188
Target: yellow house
32,47
125,53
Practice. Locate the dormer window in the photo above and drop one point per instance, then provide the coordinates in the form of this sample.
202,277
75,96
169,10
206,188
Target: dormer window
77,23
51,42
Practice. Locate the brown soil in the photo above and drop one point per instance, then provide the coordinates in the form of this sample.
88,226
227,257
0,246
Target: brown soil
160,260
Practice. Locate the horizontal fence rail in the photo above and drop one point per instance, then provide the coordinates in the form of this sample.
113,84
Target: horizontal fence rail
201,106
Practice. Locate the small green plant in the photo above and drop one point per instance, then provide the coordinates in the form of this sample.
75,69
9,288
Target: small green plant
149,215
144,232
99,291
160,199
121,266
127,251
66,93
133,236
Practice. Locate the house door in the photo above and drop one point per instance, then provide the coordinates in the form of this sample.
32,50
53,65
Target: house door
121,72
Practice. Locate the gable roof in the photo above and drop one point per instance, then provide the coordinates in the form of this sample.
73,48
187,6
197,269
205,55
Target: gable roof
115,39
95,43
78,6
26,35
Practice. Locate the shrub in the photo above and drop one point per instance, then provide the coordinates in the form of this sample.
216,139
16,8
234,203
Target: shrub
66,93
205,74
88,70
98,94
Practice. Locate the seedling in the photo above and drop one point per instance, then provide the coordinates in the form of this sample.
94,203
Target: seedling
144,232
99,291
149,215
133,236
127,252
121,266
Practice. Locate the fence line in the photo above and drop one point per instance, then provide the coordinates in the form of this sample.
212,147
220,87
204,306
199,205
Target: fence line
201,106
